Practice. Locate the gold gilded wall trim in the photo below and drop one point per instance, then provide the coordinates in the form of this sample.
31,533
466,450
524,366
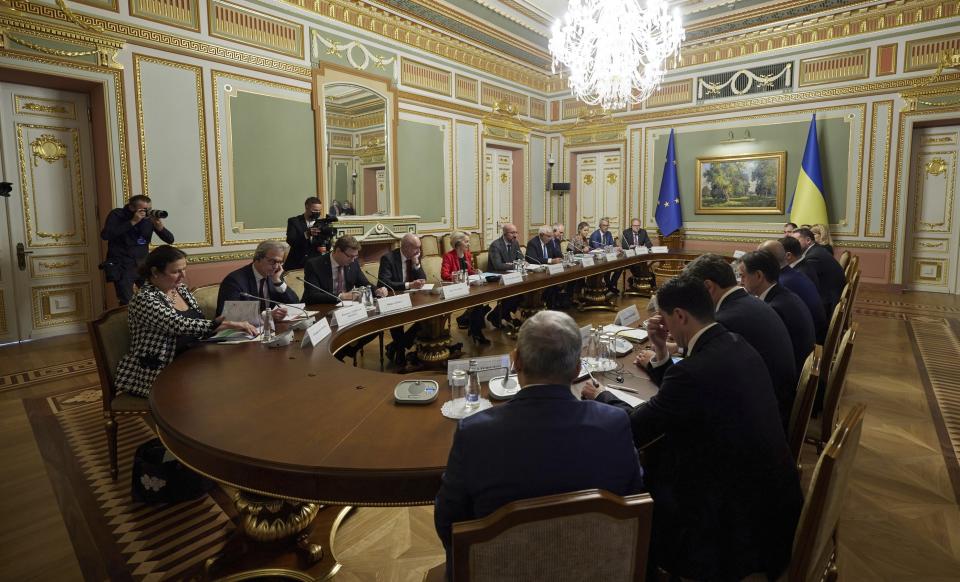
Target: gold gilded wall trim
538,109
847,66
179,13
111,5
138,60
924,54
885,152
423,76
672,93
887,59
14,31
50,266
491,94
29,105
244,25
467,89
43,312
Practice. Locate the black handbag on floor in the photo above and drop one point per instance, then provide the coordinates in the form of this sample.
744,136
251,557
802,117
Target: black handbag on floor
160,478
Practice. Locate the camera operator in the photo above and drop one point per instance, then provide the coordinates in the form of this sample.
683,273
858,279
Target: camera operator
128,231
304,234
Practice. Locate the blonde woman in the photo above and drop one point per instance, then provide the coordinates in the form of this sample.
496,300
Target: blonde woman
821,234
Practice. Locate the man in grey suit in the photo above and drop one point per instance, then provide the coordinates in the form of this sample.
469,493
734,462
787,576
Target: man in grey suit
503,252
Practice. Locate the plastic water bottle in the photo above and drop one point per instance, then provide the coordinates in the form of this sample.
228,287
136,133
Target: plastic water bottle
472,392
266,321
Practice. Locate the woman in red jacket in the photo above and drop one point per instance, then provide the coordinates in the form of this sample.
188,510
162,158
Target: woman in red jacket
460,259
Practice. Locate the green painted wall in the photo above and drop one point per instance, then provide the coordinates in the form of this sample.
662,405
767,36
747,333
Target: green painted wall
834,138
420,154
274,158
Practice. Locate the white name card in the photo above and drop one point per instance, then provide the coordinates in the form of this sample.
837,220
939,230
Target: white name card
738,254
642,250
586,262
662,249
630,252
555,269
316,333
512,278
394,303
629,316
455,290
611,256
349,314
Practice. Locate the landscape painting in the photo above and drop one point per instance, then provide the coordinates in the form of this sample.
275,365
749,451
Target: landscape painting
744,184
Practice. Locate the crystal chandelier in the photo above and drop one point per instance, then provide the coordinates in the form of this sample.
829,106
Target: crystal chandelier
615,50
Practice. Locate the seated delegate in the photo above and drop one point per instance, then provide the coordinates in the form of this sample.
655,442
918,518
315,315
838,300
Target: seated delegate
262,278
164,320
459,259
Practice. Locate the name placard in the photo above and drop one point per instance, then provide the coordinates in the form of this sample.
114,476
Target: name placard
555,268
351,313
394,303
642,250
512,278
662,249
455,290
586,262
630,252
738,254
316,333
629,316
611,256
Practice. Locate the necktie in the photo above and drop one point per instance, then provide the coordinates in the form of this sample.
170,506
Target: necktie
339,284
263,293
410,277
545,257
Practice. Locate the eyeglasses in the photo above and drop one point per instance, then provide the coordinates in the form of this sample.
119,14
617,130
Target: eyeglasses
274,261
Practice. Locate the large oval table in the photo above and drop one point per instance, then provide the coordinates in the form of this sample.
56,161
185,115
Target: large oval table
298,424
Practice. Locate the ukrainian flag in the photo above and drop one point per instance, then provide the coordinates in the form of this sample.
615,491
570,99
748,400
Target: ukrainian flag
808,205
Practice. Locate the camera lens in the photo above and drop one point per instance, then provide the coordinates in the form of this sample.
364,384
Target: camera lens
157,213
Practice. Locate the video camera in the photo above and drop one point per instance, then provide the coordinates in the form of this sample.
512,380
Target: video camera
326,234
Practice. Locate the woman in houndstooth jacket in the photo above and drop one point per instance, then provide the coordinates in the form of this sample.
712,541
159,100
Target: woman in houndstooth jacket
164,319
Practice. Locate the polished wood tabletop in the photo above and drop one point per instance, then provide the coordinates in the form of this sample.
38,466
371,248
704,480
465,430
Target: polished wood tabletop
297,423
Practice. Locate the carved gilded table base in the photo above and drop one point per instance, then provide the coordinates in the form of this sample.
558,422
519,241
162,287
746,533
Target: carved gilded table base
593,295
433,340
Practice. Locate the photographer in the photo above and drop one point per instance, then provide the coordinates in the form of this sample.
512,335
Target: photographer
304,235
128,231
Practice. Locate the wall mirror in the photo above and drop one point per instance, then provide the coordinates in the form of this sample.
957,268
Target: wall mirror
357,129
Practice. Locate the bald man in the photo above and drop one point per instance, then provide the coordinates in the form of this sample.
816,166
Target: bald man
503,252
400,270
801,285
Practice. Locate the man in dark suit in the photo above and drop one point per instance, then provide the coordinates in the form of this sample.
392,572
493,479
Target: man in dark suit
801,285
501,256
543,442
636,237
759,274
262,278
557,239
602,237
794,256
756,321
338,273
301,233
128,232
830,275
542,251
726,492
400,270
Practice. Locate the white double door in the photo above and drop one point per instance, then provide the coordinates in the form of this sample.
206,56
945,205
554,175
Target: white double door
497,192
49,280
599,189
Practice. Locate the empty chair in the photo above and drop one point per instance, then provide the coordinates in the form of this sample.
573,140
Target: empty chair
803,402
206,297
431,267
476,243
482,259
815,544
370,271
429,246
584,535
819,431
294,283
110,337
834,331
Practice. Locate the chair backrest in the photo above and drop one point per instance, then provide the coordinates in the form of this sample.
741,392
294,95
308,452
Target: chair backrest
482,260
836,380
294,283
564,245
431,267
803,401
844,259
476,242
834,331
429,246
851,289
370,271
110,338
445,243
583,535
206,296
813,544
853,266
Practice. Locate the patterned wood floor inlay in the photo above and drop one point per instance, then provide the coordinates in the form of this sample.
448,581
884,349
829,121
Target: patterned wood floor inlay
56,371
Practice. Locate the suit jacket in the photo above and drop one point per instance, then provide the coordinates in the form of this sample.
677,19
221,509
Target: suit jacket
300,248
535,251
451,264
642,238
318,271
760,325
543,442
391,270
244,281
830,276
555,248
501,255
796,318
726,492
599,239
129,244
804,288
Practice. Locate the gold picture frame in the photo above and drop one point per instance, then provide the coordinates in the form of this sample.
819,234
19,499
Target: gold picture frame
742,184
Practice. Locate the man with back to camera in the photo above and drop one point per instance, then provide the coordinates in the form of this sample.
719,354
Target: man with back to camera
542,442
800,284
830,275
128,231
262,278
302,231
725,488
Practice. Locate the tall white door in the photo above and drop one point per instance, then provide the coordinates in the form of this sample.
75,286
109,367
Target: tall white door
599,189
933,235
497,191
49,281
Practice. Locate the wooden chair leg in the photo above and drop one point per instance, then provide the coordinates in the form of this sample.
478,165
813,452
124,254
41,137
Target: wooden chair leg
110,427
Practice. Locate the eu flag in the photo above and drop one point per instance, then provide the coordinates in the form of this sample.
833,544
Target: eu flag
808,205
668,215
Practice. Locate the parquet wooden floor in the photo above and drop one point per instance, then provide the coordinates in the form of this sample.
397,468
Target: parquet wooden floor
901,520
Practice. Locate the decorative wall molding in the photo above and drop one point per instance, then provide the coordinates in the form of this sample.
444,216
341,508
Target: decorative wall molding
672,93
18,33
244,25
423,76
467,89
745,82
924,54
846,66
887,59
180,13
491,94
356,53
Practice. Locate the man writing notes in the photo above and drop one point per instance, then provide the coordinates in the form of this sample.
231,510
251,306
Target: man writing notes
400,270
302,231
263,278
542,442
726,491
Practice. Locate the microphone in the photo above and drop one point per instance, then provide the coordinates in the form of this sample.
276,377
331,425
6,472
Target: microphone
596,244
623,238
320,289
389,288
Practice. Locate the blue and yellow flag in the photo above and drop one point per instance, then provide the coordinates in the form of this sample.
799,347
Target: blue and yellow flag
809,205
668,215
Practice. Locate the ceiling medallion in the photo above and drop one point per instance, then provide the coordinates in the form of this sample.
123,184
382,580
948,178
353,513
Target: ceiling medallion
615,52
